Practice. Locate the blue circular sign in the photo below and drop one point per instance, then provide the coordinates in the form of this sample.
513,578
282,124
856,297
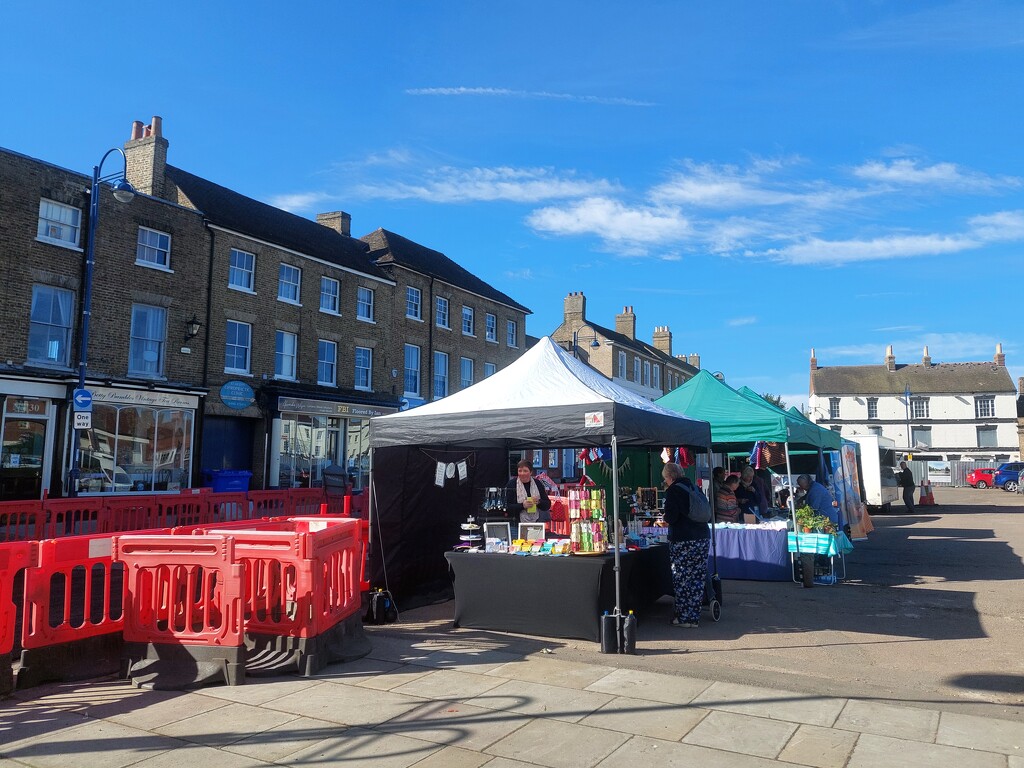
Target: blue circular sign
237,394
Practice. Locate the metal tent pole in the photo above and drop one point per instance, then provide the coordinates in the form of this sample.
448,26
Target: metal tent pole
615,533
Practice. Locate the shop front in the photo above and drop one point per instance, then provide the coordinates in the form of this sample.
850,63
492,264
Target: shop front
308,435
141,441
28,413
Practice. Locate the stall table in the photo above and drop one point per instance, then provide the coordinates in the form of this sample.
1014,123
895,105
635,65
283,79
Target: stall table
553,596
751,552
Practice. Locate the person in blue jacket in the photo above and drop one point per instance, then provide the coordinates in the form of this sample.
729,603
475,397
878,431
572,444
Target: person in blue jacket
819,498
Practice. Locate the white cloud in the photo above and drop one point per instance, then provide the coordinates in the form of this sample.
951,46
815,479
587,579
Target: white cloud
967,24
521,94
300,201
520,185
1003,226
612,221
905,171
738,321
521,274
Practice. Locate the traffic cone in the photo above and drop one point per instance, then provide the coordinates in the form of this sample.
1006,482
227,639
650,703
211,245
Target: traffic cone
927,497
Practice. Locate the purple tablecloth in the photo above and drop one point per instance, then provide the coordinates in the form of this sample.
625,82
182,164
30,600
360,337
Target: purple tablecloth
757,554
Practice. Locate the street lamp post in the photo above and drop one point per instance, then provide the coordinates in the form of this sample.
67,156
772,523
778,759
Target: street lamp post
123,193
594,344
906,398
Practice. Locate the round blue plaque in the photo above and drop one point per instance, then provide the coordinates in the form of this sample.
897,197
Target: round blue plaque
237,394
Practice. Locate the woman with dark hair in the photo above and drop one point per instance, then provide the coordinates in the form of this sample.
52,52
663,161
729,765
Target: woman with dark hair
525,497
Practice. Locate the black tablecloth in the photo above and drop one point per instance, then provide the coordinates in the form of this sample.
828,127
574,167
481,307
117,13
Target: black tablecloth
553,596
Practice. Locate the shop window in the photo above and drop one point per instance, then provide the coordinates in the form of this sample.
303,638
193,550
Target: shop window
919,407
872,407
364,368
468,322
58,223
490,369
441,318
413,303
289,283
465,373
440,374
49,334
330,296
148,335
984,407
153,249
364,304
412,370
237,347
326,363
491,324
242,270
833,407
284,355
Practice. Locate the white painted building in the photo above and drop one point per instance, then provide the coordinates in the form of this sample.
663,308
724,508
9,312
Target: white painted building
937,411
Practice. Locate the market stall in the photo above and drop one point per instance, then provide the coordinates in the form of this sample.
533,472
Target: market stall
546,399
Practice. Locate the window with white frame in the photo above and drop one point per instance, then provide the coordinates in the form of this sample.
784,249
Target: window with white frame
440,374
153,248
289,282
538,459
919,407
330,296
647,373
59,223
552,459
921,436
636,369
875,431
656,383
412,370
512,334
987,437
490,369
237,347
984,407
49,330
465,373
468,322
285,344
364,368
872,407
491,324
242,270
413,303
327,363
441,318
833,407
622,365
364,304
148,335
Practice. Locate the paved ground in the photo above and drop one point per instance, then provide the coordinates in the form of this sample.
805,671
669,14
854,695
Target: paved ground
915,661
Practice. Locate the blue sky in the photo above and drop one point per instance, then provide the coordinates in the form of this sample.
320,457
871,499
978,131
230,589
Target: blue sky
762,177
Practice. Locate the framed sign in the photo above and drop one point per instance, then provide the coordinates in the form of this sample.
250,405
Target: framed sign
531,531
497,537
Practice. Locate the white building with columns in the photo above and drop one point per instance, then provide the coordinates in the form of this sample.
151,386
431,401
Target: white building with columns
937,411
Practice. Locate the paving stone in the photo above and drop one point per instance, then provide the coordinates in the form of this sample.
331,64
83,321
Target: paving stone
453,757
884,752
741,733
398,650
22,722
257,690
449,684
152,709
652,686
225,725
94,744
456,723
568,704
669,722
653,753
568,674
354,672
405,673
889,720
983,733
358,746
819,747
559,745
774,705
346,704
469,660
290,737
504,762
1015,762
200,757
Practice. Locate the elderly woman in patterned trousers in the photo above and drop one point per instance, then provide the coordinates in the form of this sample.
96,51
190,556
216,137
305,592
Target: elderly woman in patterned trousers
688,549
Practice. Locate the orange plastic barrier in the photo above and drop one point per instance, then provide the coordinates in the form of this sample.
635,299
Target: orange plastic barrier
72,517
21,520
306,501
269,503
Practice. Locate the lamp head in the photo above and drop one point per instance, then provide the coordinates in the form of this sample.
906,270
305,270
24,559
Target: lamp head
124,192
192,328
595,344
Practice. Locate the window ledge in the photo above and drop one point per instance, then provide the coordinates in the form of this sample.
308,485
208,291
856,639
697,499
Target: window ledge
363,389
285,378
414,318
240,289
48,364
469,335
290,301
330,312
236,372
146,376
157,267
60,244
327,384
492,341
444,328
366,320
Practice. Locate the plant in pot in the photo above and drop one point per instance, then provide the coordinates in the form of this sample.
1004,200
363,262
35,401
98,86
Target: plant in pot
809,521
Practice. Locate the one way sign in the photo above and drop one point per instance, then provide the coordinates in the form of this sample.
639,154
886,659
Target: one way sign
82,400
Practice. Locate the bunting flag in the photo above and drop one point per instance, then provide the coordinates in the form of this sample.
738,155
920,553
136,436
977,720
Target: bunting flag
685,457
755,455
666,455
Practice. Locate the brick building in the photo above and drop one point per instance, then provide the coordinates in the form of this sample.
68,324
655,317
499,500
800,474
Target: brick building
302,334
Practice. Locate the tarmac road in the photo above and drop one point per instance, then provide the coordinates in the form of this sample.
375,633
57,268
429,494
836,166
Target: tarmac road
931,615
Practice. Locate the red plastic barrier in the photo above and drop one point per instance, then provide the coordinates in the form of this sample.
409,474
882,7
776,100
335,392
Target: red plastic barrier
13,557
182,590
74,592
184,510
21,521
357,505
73,517
269,503
225,507
306,501
131,513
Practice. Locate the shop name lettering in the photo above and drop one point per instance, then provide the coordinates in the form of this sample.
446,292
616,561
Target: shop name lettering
146,398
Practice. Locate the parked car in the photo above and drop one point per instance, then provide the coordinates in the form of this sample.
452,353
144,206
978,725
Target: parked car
981,477
1006,476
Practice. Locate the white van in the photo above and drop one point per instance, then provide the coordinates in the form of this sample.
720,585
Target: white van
878,467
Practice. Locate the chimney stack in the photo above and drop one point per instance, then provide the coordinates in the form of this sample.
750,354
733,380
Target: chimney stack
146,157
339,221
575,309
694,360
662,340
814,360
890,359
1000,358
625,323
926,359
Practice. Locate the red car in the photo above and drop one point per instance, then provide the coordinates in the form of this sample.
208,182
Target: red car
981,477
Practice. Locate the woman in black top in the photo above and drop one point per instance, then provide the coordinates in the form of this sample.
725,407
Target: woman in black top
688,549
526,498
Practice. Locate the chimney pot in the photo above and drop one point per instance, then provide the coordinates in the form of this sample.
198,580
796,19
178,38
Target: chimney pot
157,126
136,130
